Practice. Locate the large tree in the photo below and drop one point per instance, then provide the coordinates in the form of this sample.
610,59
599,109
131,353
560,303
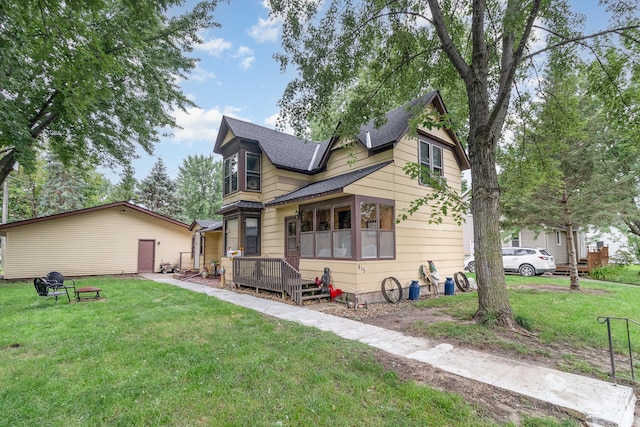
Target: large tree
563,169
199,184
391,51
91,80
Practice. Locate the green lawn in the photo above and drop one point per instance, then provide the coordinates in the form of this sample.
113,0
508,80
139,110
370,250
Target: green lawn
557,316
154,354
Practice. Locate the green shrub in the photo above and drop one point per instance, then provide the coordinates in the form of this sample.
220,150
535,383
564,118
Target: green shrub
607,272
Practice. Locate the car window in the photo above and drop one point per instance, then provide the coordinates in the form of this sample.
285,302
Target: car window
544,252
521,252
507,252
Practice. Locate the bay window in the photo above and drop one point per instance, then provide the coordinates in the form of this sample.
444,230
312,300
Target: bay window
231,174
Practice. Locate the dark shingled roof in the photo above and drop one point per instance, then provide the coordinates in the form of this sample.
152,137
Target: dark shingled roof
241,205
283,150
215,225
327,186
397,122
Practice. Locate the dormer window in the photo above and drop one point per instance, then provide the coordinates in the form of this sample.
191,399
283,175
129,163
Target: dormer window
253,172
231,174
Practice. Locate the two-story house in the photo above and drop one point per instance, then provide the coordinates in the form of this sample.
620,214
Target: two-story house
305,203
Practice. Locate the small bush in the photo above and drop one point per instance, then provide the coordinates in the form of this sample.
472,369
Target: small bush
607,272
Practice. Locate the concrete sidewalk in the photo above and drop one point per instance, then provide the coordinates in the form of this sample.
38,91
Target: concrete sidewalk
599,403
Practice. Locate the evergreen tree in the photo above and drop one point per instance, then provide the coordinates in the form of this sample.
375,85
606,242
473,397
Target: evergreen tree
63,189
125,189
158,193
199,184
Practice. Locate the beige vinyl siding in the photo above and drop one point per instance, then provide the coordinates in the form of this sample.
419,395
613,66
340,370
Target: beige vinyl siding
417,241
93,243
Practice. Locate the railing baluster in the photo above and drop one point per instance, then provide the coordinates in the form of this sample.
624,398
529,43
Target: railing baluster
273,274
607,320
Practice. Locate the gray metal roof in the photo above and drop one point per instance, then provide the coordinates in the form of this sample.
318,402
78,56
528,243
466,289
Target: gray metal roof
327,186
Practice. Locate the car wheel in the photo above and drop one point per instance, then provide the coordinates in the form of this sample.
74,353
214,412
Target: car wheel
471,267
527,270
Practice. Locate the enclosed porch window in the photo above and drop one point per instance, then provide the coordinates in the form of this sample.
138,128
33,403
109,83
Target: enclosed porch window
353,228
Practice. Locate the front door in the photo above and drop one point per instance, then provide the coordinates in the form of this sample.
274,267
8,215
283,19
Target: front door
292,244
146,255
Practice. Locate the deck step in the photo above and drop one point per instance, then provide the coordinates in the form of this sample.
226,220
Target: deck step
315,297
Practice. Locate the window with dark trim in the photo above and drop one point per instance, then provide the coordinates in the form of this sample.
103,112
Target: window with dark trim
253,172
242,232
430,158
356,228
231,174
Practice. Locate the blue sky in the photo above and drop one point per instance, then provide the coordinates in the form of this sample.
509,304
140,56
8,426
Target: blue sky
238,76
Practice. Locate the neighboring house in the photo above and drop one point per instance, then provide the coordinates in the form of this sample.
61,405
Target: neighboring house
206,242
303,201
554,240
116,238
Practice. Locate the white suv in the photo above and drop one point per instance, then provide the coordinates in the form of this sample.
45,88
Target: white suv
525,261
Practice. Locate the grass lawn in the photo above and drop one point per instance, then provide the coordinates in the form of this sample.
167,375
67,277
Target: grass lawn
558,317
154,354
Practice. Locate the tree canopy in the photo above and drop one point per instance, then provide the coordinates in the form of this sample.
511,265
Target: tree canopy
199,184
385,53
563,170
92,80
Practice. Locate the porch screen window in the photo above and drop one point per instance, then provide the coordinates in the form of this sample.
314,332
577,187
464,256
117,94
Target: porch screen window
323,233
307,236
231,174
252,177
377,236
342,231
338,231
430,157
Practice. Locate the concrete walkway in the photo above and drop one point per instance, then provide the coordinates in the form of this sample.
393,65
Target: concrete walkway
598,403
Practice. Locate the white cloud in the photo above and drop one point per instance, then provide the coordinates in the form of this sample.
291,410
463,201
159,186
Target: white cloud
215,46
245,54
200,74
272,121
266,30
200,125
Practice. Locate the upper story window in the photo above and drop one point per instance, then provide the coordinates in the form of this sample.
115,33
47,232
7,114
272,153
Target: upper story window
431,159
231,174
253,172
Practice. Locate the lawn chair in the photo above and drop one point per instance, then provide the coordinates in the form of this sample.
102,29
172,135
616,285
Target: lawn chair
45,289
56,280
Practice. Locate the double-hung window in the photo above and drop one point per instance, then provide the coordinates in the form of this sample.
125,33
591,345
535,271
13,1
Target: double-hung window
430,157
231,174
253,171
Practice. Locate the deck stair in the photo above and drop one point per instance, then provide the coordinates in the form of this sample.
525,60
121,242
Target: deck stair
312,292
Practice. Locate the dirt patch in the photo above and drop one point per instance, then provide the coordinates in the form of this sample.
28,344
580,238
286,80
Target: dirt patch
491,402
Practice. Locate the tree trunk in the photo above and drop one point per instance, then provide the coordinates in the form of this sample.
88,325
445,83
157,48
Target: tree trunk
6,164
573,259
492,289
